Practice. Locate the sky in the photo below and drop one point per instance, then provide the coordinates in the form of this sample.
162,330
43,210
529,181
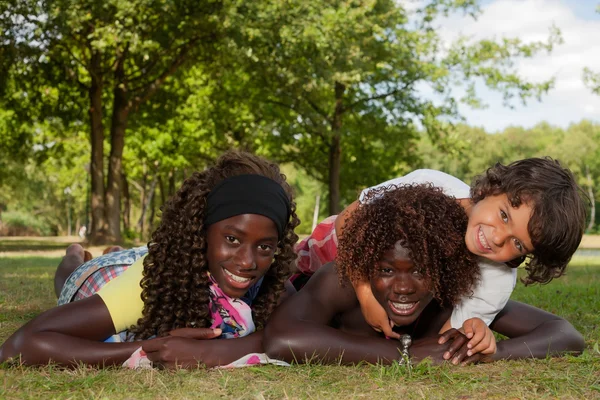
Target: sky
530,20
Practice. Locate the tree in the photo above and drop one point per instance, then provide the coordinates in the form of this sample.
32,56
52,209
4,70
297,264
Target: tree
108,58
339,81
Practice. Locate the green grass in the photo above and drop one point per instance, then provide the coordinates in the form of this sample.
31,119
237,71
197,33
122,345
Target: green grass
26,290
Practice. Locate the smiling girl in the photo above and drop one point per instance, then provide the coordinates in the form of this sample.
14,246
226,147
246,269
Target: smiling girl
217,263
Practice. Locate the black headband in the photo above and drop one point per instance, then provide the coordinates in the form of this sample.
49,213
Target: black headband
248,194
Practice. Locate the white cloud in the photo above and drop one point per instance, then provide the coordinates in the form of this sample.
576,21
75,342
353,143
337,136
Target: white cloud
531,20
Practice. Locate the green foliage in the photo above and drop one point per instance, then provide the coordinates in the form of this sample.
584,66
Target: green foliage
592,80
331,87
16,223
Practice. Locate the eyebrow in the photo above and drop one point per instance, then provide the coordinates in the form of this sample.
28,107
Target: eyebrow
240,232
508,211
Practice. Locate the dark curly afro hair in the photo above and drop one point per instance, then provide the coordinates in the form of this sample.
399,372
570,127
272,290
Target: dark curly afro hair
175,286
559,210
428,223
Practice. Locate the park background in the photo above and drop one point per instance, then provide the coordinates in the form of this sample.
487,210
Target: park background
106,107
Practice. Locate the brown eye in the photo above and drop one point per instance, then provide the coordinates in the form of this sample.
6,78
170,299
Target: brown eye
231,239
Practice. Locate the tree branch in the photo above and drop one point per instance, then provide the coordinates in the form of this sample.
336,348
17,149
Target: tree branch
379,96
315,107
157,83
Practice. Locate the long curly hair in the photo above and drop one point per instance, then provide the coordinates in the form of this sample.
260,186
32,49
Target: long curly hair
175,285
559,212
428,223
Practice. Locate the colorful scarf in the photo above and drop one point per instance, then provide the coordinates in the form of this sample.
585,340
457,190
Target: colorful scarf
233,316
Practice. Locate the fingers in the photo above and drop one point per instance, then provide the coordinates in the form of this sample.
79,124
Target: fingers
153,345
387,331
470,328
486,346
458,349
196,333
479,338
458,341
449,334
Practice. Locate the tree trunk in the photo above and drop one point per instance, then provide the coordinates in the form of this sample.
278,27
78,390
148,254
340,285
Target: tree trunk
117,143
161,187
97,160
152,210
126,202
172,173
147,204
143,194
592,200
335,151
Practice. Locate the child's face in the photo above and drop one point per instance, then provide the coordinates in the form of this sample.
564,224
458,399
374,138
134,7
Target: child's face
399,287
240,251
498,231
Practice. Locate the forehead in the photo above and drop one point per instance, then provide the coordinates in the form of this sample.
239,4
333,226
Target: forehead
399,252
398,255
251,224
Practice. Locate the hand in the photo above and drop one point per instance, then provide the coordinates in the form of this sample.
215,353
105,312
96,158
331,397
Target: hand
457,346
372,311
455,343
482,338
183,348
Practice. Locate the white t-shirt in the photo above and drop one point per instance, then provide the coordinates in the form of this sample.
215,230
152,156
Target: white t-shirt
497,279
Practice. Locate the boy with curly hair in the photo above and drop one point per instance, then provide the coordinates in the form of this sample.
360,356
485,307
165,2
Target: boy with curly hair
531,208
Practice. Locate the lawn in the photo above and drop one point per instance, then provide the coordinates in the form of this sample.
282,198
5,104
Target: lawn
26,290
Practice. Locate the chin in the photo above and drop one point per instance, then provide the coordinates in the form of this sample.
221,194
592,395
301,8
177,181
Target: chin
404,321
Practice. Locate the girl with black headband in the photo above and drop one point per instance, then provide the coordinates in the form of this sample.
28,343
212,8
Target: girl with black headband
217,263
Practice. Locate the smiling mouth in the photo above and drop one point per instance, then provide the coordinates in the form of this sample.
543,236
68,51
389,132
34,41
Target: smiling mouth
482,241
236,278
403,308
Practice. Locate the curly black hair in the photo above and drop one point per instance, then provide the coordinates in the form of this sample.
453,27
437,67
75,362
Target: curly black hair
559,210
428,223
175,286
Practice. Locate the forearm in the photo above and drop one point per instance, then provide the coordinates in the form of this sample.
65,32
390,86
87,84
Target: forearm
226,351
43,347
551,338
308,341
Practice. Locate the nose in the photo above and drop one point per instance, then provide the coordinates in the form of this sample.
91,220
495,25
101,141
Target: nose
245,258
404,284
500,236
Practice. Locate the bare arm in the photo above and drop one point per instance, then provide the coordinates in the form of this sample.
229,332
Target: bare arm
68,335
534,333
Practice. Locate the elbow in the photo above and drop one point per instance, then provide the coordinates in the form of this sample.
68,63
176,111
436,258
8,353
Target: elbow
566,338
278,343
15,348
575,344
25,348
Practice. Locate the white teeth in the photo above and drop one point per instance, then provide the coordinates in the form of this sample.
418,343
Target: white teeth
236,278
482,240
403,306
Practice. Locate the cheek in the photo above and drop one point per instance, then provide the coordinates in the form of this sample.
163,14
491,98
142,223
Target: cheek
264,263
379,287
216,254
